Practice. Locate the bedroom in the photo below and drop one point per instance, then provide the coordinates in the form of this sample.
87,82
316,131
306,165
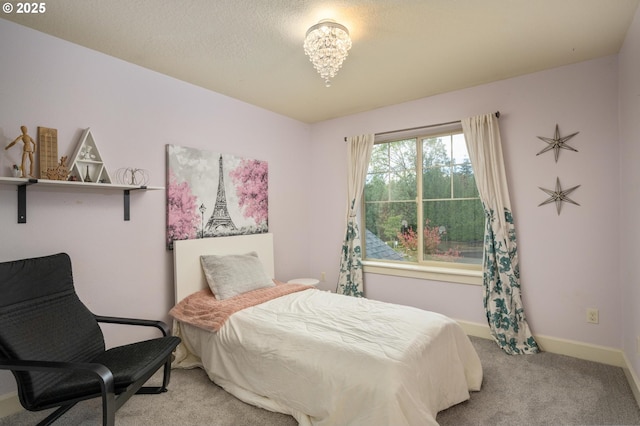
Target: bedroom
583,258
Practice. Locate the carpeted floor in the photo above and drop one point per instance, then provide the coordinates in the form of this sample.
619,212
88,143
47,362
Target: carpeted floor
542,389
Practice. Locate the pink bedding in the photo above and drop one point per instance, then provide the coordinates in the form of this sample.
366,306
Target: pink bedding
203,310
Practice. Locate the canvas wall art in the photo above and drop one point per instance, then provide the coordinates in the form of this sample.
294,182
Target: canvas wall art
210,194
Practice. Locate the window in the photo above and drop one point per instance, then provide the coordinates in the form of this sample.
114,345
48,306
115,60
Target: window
421,207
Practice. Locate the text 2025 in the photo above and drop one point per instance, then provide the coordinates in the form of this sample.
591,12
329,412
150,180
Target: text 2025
31,7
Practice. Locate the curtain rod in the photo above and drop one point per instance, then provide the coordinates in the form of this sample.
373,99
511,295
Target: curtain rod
497,114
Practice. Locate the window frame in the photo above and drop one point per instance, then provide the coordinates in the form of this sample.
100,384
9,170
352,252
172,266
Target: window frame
460,273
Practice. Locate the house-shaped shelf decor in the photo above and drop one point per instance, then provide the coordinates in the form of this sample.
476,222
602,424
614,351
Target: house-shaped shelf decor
87,164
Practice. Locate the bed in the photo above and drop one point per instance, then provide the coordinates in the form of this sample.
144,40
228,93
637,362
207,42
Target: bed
324,358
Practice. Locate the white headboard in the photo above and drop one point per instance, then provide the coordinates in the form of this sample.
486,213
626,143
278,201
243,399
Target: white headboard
187,272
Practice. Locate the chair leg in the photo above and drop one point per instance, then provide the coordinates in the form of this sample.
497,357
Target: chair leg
167,375
108,409
148,390
55,415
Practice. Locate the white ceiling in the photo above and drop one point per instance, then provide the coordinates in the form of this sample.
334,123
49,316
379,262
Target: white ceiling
402,49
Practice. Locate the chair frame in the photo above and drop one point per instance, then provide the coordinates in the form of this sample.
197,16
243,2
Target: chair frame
110,401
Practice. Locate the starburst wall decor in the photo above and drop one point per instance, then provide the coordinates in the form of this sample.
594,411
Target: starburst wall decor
557,143
558,196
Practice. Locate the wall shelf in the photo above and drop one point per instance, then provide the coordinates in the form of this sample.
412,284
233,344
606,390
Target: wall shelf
23,183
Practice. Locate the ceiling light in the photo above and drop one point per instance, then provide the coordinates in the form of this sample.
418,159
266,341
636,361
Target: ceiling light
327,44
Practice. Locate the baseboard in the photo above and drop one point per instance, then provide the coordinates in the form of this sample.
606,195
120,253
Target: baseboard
580,350
586,351
475,329
9,404
632,378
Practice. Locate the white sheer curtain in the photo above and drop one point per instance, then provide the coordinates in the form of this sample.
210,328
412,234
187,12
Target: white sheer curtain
501,273
350,280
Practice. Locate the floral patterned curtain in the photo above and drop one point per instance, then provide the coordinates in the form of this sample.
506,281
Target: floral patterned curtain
350,281
501,274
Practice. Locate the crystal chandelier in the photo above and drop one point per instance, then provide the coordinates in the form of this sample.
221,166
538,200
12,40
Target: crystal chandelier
327,44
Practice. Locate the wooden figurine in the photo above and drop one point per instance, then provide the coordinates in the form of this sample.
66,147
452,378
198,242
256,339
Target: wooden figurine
60,172
28,151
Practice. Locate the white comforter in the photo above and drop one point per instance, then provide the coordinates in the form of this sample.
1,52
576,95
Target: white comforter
329,359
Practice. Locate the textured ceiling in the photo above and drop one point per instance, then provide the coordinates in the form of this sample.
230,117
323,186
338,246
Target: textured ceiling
402,49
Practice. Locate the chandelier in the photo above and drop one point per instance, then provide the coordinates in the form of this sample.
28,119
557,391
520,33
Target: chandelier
327,44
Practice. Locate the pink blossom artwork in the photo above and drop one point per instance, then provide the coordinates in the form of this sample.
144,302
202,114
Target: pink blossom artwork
210,194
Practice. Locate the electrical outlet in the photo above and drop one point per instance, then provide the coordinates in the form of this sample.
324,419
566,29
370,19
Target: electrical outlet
323,276
592,316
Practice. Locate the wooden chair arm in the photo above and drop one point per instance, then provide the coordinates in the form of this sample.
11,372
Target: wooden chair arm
135,321
103,373
105,377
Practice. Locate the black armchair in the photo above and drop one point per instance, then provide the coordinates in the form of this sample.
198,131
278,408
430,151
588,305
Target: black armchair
55,349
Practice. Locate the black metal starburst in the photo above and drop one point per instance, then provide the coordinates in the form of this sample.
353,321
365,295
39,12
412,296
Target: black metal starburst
557,143
558,196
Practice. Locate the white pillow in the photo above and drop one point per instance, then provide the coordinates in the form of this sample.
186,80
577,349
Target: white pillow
234,274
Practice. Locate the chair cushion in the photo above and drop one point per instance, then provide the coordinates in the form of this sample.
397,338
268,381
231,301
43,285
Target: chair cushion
43,319
127,363
29,279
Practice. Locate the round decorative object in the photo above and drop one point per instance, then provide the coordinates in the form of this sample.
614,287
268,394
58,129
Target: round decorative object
132,176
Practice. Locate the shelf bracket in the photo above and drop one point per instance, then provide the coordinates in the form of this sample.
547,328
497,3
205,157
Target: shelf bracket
22,200
127,202
127,205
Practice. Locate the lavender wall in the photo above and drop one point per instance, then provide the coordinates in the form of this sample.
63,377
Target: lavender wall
629,92
568,262
123,268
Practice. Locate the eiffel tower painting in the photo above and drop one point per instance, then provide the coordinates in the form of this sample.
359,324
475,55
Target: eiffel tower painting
195,210
220,219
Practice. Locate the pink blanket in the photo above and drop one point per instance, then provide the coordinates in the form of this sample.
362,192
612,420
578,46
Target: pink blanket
203,310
